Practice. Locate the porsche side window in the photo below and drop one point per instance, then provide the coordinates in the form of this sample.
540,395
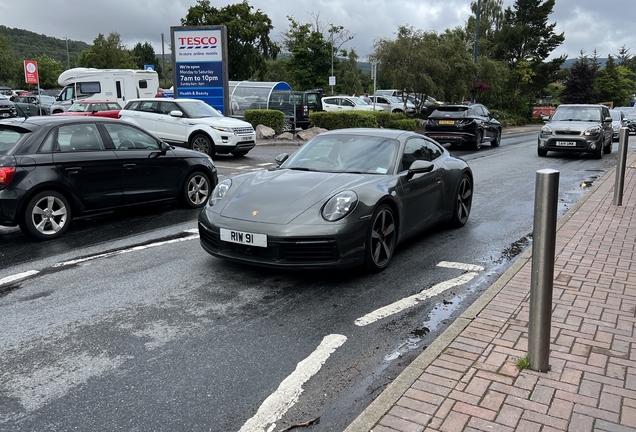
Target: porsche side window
415,149
433,150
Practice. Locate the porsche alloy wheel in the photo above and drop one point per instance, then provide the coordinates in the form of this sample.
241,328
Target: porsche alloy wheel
463,202
381,240
47,216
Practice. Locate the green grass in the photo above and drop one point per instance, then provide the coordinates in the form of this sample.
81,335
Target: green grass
523,362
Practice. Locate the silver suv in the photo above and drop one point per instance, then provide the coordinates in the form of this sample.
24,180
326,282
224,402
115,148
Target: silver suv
577,128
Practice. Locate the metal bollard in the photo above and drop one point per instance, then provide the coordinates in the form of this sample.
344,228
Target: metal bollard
541,281
623,137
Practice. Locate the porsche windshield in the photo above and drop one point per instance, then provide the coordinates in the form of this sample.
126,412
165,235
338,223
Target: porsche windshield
363,154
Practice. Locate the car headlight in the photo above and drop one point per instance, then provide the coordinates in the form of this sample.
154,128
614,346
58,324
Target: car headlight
219,191
339,206
594,130
546,130
616,128
224,129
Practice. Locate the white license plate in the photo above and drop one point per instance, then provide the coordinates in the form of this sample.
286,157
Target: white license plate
245,238
247,138
5,115
566,143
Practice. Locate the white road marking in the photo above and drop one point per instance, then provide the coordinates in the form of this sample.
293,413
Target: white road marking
123,251
413,300
288,392
266,164
460,266
18,276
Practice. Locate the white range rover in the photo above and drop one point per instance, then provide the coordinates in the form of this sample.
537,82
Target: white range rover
191,123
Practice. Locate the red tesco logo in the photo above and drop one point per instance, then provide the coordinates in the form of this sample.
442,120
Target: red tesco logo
205,40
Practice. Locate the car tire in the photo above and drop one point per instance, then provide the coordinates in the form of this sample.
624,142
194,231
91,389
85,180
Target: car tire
463,201
497,141
478,139
598,152
542,152
46,216
202,143
196,190
608,148
381,239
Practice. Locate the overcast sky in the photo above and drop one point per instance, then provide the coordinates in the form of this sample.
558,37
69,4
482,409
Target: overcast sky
604,25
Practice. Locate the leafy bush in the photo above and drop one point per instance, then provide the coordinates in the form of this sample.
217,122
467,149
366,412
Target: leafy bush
404,124
270,118
343,120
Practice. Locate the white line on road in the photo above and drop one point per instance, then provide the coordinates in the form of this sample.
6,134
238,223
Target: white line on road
413,300
460,266
123,251
18,276
288,392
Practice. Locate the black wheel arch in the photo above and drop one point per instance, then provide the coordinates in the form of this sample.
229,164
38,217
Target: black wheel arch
201,132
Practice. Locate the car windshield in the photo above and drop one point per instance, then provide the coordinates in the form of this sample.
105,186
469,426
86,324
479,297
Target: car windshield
9,138
458,109
78,108
346,153
393,99
198,109
46,100
616,115
358,101
577,114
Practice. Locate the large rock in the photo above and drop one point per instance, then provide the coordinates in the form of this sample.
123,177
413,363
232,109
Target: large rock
308,134
286,136
264,132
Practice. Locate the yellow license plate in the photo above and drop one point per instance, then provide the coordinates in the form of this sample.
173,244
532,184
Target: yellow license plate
446,122
310,110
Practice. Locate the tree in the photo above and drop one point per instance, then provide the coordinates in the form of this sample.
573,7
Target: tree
579,86
248,42
525,41
48,71
490,21
614,83
144,54
107,53
6,60
349,75
624,58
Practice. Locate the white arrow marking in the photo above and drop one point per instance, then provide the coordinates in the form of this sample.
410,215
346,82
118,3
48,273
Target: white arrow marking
460,266
288,392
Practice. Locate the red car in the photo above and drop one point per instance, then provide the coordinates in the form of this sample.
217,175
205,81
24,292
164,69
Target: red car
93,108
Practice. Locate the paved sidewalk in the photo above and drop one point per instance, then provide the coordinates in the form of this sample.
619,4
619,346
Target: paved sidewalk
468,380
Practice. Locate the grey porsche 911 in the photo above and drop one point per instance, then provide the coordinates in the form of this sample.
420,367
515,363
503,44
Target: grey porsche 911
346,198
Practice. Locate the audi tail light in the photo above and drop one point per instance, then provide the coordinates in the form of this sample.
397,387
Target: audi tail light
6,174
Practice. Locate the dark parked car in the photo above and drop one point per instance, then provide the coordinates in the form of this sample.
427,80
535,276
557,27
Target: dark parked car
630,117
346,198
55,168
577,129
470,124
7,108
306,102
32,104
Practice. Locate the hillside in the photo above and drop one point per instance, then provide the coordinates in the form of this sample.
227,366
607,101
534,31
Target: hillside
29,45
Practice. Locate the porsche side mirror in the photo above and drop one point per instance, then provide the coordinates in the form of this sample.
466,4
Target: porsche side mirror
281,158
420,167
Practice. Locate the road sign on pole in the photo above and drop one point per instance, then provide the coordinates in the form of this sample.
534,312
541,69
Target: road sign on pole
31,72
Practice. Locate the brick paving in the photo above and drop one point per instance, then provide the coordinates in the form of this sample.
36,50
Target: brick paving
473,382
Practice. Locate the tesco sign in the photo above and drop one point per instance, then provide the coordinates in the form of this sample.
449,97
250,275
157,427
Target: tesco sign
195,42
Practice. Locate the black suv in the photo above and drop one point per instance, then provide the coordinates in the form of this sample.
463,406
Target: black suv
470,124
306,103
7,108
577,128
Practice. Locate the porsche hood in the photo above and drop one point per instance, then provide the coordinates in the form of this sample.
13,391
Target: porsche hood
280,196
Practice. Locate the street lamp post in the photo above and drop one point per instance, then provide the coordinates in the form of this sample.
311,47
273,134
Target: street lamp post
68,57
331,78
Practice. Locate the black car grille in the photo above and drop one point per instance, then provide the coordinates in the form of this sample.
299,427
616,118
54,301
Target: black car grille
7,111
243,130
292,252
568,132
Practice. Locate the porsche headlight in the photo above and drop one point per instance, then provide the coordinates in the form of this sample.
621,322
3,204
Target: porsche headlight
594,130
219,191
339,206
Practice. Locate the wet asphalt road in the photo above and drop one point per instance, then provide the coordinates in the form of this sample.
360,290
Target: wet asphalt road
164,337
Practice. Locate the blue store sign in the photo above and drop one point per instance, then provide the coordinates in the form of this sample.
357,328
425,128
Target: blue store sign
199,65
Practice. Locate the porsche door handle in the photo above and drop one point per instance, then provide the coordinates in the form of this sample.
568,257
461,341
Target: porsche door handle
73,170
130,165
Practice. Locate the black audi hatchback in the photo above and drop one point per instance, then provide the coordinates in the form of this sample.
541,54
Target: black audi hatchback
55,168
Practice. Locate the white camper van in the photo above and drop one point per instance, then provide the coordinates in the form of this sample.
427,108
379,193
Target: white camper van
118,85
